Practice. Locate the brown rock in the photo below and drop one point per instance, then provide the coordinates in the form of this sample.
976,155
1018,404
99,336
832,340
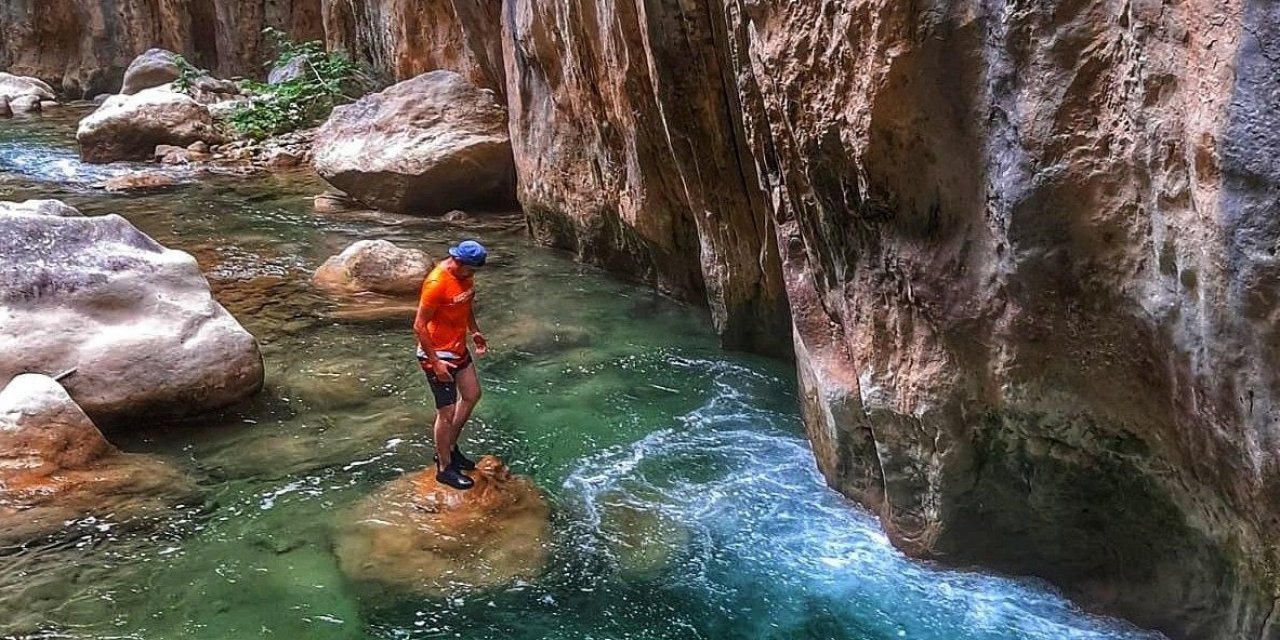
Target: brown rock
375,266
56,467
130,127
281,159
68,285
140,181
171,154
417,534
455,216
423,146
199,146
5,110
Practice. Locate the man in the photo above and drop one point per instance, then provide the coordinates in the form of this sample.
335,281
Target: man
444,318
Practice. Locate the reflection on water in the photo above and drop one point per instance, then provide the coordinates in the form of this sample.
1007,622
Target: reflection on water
685,502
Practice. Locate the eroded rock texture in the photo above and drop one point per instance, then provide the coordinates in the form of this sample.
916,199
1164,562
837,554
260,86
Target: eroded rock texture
1030,250
627,144
83,47
401,39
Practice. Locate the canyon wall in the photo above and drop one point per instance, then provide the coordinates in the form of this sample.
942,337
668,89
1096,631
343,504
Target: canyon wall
1030,249
82,47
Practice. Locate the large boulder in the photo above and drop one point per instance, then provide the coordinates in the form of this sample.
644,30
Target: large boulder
13,86
135,320
419,535
153,68
375,266
426,145
129,127
55,466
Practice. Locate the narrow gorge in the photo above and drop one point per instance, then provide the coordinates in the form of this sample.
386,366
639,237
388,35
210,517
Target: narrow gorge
1023,254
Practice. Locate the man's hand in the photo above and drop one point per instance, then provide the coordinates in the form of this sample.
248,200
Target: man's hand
442,370
482,346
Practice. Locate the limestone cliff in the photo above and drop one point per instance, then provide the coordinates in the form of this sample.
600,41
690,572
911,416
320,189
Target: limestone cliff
1030,250
84,46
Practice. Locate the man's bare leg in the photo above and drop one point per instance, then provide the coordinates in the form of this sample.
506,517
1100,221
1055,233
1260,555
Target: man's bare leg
468,395
445,435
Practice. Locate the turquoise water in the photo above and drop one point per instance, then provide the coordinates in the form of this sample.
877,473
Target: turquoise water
685,500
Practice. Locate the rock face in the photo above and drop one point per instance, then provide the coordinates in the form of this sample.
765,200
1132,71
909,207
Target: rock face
84,46
55,466
69,286
129,127
375,266
425,145
417,534
1030,254
629,153
154,68
401,39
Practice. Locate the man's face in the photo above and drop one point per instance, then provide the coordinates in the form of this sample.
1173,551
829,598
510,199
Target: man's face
464,271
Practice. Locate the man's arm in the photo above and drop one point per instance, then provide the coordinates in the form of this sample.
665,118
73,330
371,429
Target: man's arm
482,346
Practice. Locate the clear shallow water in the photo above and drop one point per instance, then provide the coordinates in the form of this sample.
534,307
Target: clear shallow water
686,503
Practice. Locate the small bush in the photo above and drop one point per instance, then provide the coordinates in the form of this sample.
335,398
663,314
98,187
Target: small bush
187,75
300,101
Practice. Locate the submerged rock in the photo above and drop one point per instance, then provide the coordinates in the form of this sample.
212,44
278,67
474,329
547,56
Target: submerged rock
375,266
418,535
424,146
134,319
5,109
56,467
153,68
140,181
129,127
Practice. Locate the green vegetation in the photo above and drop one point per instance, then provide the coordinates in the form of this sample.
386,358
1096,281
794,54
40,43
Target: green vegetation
187,75
318,86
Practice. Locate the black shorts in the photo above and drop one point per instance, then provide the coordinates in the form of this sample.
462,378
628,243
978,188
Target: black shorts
446,393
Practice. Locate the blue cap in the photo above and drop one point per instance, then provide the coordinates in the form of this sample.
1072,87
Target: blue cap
470,253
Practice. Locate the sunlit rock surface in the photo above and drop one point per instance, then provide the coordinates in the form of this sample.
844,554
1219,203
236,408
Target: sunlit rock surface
419,535
55,466
375,266
423,146
135,320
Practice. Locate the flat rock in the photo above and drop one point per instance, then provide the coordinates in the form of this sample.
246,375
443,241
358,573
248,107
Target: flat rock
418,535
20,86
140,181
39,207
56,467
